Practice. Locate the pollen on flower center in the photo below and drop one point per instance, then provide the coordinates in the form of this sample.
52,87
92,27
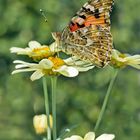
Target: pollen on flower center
57,62
43,52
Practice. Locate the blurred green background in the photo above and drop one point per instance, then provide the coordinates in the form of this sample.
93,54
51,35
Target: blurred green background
78,99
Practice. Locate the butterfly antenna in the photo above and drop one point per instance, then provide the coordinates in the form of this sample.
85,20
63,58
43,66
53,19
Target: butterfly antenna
43,14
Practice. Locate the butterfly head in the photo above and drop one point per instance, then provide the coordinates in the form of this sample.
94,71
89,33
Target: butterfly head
57,37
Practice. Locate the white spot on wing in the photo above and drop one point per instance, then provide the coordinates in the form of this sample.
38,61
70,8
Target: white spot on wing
90,7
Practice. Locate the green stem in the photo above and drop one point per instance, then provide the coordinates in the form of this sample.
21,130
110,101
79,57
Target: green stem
47,107
106,100
53,83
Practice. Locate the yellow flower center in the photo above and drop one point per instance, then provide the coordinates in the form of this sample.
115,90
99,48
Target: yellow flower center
119,63
58,62
40,53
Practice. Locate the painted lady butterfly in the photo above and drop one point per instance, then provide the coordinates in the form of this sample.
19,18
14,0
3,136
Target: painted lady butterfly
88,34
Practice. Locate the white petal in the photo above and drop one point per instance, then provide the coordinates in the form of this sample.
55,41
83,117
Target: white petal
36,75
20,61
18,66
71,60
89,136
106,137
34,44
133,57
83,69
67,139
135,66
67,71
81,63
17,50
22,70
74,137
21,64
46,64
75,62
137,61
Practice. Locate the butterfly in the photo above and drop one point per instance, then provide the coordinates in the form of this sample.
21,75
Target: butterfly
88,35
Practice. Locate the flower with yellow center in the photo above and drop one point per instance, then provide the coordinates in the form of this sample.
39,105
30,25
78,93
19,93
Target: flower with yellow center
52,66
91,136
36,50
120,60
40,123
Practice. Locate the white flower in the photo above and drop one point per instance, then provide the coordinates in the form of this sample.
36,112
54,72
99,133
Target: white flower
122,60
50,66
40,123
36,50
91,136
80,65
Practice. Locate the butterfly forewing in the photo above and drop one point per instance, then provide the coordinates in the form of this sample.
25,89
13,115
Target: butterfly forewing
88,34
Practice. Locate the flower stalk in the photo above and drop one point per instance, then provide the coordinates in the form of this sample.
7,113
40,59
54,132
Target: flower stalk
53,84
106,99
47,107
91,136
